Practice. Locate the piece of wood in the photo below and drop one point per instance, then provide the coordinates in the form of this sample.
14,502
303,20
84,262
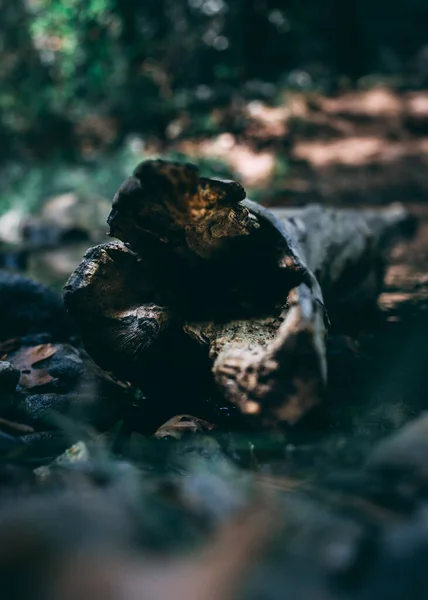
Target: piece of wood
110,297
245,284
277,368
346,249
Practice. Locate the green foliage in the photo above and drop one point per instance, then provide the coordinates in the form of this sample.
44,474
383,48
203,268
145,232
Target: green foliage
79,76
79,41
27,187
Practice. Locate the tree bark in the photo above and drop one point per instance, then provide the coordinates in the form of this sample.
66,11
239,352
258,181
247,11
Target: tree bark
201,272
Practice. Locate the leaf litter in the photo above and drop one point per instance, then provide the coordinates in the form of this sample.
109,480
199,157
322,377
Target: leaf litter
27,360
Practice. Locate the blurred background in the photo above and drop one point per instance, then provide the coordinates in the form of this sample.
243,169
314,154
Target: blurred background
299,100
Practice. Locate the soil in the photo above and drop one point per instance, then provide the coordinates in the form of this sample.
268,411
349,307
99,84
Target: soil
348,527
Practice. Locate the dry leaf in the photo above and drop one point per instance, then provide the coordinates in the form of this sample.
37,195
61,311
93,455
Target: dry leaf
26,360
178,425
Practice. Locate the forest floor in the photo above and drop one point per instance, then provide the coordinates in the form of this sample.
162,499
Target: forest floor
360,148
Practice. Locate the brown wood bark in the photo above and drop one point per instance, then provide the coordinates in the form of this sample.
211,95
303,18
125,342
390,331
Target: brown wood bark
277,367
247,286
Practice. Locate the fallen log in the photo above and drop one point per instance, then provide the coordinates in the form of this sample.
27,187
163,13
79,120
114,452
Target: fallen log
346,249
205,284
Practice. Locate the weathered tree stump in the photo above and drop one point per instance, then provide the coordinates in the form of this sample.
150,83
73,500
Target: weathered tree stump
205,284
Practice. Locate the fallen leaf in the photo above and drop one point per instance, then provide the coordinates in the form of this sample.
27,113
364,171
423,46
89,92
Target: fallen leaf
26,360
176,426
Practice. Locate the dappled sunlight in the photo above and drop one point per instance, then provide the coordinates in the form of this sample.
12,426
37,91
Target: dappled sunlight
365,143
406,279
417,104
253,168
378,102
318,146
267,121
352,151
390,300
403,275
358,151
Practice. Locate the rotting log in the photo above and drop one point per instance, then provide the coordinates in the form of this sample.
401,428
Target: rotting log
280,371
202,272
110,296
346,249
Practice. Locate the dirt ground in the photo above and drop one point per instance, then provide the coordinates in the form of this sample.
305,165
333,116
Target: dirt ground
358,147
346,529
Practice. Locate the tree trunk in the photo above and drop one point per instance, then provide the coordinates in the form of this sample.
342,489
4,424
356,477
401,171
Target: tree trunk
208,274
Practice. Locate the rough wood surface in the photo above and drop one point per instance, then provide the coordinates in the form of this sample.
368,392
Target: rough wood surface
199,264
110,296
276,368
346,249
